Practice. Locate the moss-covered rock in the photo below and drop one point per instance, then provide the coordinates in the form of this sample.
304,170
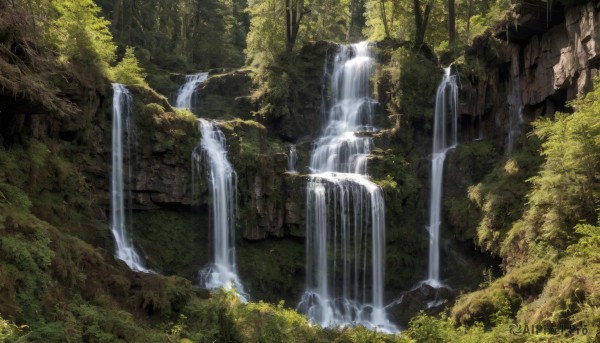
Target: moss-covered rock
501,297
264,198
164,138
225,96
273,269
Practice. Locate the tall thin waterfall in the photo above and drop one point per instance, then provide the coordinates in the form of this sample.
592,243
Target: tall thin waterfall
345,230
121,131
185,96
211,156
445,135
292,159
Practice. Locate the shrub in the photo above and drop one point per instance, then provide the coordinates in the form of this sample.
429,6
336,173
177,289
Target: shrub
128,70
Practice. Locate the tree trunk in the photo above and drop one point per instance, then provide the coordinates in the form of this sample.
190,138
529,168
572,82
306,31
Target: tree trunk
469,14
288,24
451,22
384,18
357,20
293,18
421,20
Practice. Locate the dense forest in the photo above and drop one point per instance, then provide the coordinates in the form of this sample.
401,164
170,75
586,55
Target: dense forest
299,171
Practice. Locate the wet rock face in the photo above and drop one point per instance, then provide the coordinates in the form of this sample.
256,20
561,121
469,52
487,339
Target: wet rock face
270,200
161,183
161,152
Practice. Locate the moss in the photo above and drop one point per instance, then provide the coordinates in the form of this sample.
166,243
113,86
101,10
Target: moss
570,293
9,331
529,279
500,195
395,175
160,129
163,296
501,297
14,196
414,79
175,242
272,269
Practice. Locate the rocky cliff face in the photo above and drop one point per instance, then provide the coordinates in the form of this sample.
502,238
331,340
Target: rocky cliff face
164,140
552,53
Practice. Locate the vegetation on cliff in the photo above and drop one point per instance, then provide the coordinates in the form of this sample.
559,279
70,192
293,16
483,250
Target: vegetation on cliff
532,215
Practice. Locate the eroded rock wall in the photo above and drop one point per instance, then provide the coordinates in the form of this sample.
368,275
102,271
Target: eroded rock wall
554,54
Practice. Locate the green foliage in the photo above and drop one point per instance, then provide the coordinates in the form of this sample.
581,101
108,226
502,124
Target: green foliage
500,195
9,331
128,71
164,296
551,246
401,22
566,190
14,196
160,127
179,36
26,258
392,172
570,295
423,328
322,20
181,249
272,266
276,62
81,34
414,79
266,38
262,322
473,18
362,334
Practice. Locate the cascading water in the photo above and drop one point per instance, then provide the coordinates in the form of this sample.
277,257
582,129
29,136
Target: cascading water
345,230
292,159
186,92
211,156
121,130
515,105
446,105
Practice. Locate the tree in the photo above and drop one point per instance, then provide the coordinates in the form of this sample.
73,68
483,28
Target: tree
181,35
128,71
294,12
357,20
421,17
81,33
451,22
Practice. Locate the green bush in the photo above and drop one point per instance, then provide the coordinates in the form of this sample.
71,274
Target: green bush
128,70
81,34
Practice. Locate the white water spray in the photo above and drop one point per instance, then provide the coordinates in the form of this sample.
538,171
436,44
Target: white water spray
121,131
292,160
515,106
211,156
345,230
445,137
185,96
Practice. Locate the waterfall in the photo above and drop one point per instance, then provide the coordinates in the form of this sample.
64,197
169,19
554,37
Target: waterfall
186,92
292,159
345,230
445,135
121,133
211,156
